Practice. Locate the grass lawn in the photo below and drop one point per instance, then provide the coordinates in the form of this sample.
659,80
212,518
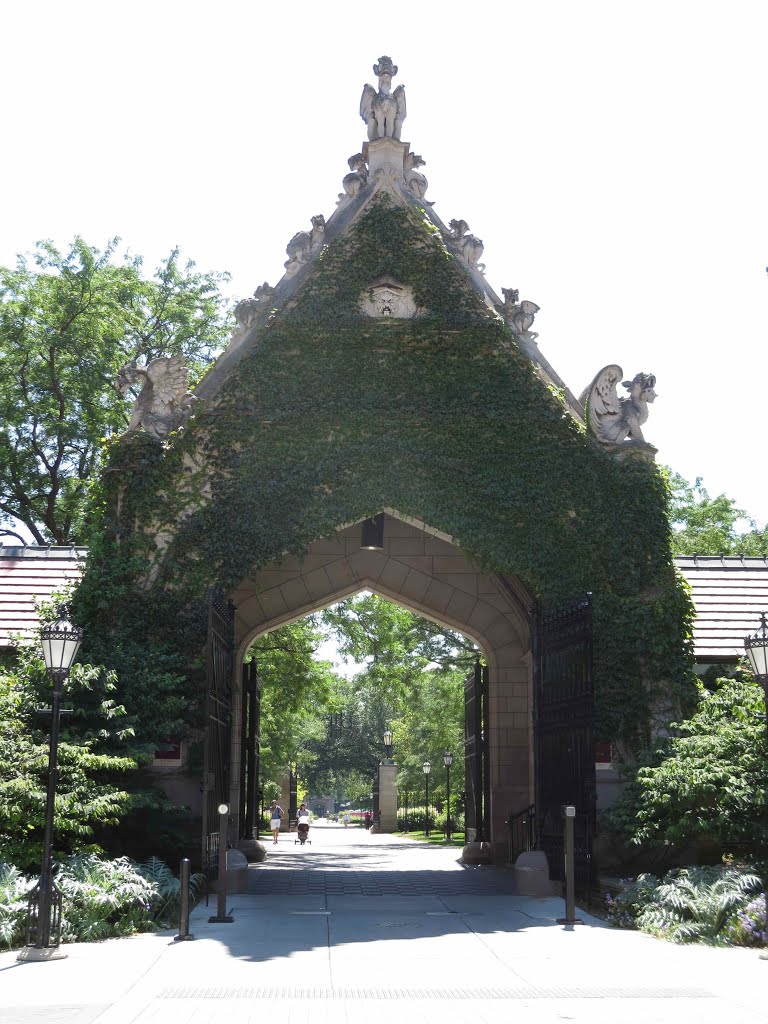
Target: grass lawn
436,838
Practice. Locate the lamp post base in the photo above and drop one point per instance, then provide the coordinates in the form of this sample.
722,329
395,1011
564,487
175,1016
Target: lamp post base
220,920
40,954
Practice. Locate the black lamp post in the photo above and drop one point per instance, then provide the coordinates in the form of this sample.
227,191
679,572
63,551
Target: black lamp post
448,761
387,746
426,768
756,647
60,642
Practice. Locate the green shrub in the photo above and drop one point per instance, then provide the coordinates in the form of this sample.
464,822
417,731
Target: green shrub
100,898
696,904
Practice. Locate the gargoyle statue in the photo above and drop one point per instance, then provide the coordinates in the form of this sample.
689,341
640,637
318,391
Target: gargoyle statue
470,245
613,419
247,311
302,245
357,177
383,111
519,315
164,403
415,182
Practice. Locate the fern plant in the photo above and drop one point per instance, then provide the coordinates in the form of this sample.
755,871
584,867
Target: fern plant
14,888
166,888
699,904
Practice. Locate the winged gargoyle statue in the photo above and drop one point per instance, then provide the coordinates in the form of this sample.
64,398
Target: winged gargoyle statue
164,402
613,419
383,111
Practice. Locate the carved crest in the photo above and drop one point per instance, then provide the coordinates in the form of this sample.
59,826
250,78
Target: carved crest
386,297
612,419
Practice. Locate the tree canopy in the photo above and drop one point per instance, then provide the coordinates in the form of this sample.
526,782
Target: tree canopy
68,322
409,679
703,525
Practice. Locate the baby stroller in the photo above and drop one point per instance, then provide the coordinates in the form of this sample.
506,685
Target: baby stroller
302,832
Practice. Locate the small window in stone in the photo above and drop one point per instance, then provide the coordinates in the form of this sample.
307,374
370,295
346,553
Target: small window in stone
169,753
603,754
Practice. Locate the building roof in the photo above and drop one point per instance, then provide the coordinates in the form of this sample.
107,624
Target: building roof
728,592
28,575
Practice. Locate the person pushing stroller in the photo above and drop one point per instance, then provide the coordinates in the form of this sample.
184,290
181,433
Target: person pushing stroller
302,825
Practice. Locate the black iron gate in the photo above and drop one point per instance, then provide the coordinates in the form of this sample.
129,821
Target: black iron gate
250,753
476,761
219,663
563,708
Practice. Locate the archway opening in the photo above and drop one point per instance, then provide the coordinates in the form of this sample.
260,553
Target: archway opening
355,700
426,574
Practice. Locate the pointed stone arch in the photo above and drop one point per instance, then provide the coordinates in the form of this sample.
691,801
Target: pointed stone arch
422,570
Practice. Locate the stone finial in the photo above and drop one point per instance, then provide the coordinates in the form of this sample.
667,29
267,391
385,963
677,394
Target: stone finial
164,402
614,420
303,244
415,182
247,311
470,246
383,111
357,177
519,315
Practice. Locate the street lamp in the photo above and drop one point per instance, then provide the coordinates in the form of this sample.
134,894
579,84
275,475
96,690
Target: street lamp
426,768
757,651
388,745
372,533
60,641
448,761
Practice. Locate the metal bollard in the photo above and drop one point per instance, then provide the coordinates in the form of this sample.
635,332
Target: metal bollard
185,868
221,916
569,821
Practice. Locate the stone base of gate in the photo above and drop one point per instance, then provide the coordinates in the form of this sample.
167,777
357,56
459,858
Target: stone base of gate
254,850
532,875
477,853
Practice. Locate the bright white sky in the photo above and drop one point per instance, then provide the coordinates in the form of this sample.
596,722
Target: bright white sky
611,155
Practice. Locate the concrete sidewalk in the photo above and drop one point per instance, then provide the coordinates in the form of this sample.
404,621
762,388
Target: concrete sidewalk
471,949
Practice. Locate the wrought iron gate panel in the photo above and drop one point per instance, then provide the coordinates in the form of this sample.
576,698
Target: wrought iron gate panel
477,778
219,664
250,751
563,706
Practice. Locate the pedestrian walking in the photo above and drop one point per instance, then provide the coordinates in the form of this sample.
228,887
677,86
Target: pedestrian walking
275,817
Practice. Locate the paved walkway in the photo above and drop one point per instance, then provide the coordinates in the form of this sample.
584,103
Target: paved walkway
374,928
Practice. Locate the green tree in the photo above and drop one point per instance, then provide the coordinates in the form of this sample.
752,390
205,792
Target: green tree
92,760
297,690
68,322
703,525
705,781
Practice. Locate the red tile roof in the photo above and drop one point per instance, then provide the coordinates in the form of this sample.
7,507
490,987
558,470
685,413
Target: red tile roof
30,574
728,592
